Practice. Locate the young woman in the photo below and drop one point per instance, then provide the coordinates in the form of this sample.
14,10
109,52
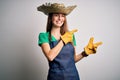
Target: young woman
58,43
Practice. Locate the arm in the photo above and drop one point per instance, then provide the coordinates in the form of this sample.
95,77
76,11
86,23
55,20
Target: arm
91,48
52,53
78,57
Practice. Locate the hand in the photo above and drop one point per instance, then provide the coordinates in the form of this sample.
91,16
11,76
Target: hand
68,36
91,48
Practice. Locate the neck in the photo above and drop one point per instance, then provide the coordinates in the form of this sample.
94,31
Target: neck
56,32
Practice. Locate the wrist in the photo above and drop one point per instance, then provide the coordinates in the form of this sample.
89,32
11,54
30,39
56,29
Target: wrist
84,54
62,41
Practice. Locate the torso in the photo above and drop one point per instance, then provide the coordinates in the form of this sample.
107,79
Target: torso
63,66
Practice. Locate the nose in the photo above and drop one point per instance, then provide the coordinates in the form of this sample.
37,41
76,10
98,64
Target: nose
60,17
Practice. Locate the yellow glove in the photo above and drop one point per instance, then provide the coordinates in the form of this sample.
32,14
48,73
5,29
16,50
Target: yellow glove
68,36
91,48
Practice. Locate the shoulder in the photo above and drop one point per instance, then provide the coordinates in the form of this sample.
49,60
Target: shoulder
43,38
43,34
74,40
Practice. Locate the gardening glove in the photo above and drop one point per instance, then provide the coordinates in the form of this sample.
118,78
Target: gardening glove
91,48
68,36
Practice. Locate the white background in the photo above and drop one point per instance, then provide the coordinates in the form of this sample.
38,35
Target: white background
20,24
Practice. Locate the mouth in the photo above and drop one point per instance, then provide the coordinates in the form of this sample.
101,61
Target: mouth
59,22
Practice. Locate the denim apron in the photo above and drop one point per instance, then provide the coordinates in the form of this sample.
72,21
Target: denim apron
63,66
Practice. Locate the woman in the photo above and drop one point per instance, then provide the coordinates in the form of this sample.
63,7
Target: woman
58,44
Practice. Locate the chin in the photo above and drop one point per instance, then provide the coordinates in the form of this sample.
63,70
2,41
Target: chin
59,25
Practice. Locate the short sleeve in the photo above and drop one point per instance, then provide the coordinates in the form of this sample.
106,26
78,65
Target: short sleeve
43,38
74,40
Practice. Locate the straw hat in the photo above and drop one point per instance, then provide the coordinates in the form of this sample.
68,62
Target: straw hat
55,8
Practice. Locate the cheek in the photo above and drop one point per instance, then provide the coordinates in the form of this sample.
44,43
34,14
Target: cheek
63,18
54,19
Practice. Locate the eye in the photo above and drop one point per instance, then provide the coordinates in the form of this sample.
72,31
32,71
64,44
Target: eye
55,14
63,15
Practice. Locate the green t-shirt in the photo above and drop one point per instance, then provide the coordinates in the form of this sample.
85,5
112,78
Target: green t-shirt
44,38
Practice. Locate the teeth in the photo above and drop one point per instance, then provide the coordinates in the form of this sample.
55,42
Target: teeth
59,22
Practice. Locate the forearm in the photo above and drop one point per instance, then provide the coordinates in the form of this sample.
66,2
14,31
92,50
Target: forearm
55,51
78,57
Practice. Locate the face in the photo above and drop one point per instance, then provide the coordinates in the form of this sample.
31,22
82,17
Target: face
58,19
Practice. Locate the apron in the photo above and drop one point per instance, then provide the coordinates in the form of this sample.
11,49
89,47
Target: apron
63,66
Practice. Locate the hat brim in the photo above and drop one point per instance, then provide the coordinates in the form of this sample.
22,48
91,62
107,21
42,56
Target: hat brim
48,9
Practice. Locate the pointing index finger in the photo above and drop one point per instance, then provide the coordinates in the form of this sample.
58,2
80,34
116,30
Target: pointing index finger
97,44
75,30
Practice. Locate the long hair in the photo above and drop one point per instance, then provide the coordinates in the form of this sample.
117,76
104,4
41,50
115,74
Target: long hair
63,28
